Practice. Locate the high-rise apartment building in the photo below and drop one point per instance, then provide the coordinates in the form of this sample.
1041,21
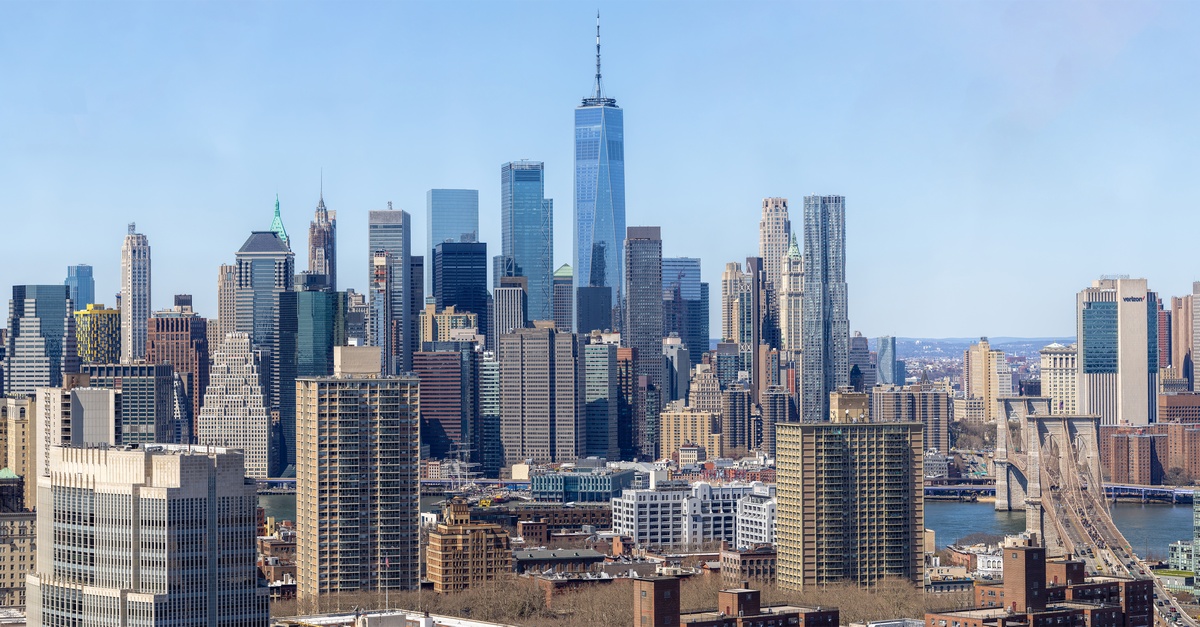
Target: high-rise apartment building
460,278
265,270
735,417
986,376
564,298
17,440
685,304
179,337
774,235
19,524
390,232
777,409
643,329
234,412
161,535
916,403
135,294
862,526
446,325
826,320
542,386
451,216
357,524
683,426
527,233
463,554
601,399
40,344
600,193
885,361
81,285
791,302
147,399
322,243
1060,370
98,334
1116,332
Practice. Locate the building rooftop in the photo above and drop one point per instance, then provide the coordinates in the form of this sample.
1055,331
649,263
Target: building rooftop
557,554
697,617
264,242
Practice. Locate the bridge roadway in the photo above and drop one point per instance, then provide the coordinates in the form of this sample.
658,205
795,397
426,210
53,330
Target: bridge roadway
1084,527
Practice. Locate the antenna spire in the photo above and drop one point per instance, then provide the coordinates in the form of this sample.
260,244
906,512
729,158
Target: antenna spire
599,88
322,184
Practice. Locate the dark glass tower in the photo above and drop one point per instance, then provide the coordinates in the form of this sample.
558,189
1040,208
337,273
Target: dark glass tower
527,227
599,190
460,279
81,285
685,304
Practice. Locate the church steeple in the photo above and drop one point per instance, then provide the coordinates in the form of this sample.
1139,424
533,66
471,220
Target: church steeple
277,225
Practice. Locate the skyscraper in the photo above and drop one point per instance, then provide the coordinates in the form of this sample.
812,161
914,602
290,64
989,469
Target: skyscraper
643,291
862,372
460,279
600,190
277,226
487,432
451,215
885,361
357,523
774,235
81,285
601,399
135,294
1117,336
40,344
169,533
542,374
527,229
791,303
98,334
233,413
593,309
391,232
685,304
986,376
147,399
564,291
510,310
265,269
1060,371
322,243
826,321
226,321
320,326
179,337
446,407
860,526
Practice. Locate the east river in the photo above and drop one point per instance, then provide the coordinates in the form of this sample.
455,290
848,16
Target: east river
1149,527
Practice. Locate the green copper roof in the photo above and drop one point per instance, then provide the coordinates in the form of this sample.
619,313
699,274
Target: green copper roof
277,225
7,473
564,271
794,249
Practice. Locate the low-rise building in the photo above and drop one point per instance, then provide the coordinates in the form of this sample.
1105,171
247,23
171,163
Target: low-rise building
756,517
556,561
579,485
678,515
462,554
656,604
756,564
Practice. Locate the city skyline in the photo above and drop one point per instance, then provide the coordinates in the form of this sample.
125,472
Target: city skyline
977,118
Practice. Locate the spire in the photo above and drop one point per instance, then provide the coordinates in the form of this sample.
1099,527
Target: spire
321,199
597,98
277,225
794,249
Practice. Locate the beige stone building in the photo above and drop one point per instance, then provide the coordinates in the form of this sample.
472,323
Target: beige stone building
846,405
1060,367
464,554
542,385
681,425
439,326
921,403
986,376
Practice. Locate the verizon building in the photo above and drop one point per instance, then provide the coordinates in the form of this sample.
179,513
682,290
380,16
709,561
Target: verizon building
1117,332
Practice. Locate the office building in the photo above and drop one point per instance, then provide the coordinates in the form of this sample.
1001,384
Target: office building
756,517
357,525
451,216
390,232
168,548
234,412
839,526
464,554
1183,334
1060,369
777,408
321,324
643,313
678,368
179,337
734,284
774,235
648,516
627,389
322,243
542,384
98,334
147,399
40,343
704,392
491,453
564,290
685,304
593,309
686,426
73,415
460,279
356,319
415,288
135,294
826,323
446,325
600,194
647,405
1116,328
916,403
527,233
226,321
81,287
265,270
601,397
791,302
862,371
986,376
735,417
447,400
885,362
510,308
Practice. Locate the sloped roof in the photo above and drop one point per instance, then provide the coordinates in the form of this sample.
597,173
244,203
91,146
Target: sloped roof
264,242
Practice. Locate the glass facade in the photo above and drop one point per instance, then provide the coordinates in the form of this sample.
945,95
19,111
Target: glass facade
320,326
527,226
451,215
81,285
460,279
685,304
40,345
1098,346
599,194
826,322
391,232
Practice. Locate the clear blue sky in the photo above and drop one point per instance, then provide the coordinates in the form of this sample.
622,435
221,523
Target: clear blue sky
995,157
